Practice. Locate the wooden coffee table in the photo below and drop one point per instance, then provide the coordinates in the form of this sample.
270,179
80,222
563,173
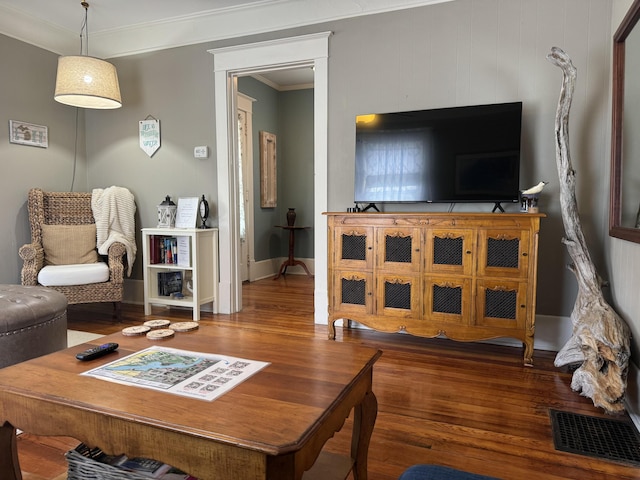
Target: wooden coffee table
272,426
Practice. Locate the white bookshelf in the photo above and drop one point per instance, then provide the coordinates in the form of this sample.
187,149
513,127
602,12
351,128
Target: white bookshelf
201,245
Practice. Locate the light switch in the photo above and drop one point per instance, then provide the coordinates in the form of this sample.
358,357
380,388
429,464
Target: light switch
201,152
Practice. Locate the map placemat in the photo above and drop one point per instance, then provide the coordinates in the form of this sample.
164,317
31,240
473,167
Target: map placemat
190,374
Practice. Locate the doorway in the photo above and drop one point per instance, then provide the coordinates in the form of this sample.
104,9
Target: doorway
274,106
229,62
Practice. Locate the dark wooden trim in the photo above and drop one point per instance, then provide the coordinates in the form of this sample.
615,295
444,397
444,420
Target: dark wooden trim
615,210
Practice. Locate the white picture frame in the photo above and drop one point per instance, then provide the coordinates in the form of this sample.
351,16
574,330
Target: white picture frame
187,212
24,133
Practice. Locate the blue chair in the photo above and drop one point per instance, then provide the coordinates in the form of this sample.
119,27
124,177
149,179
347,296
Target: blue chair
437,472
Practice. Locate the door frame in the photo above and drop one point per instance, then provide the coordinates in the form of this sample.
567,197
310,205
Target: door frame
229,62
245,103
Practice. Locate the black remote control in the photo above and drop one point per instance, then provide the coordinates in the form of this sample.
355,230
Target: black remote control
96,352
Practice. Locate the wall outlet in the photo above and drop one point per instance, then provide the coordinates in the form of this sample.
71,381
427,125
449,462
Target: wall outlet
201,152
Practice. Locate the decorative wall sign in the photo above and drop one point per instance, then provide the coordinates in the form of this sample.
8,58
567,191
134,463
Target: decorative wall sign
28,134
149,131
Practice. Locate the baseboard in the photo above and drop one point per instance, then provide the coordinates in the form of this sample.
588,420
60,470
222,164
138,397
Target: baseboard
269,268
552,332
259,270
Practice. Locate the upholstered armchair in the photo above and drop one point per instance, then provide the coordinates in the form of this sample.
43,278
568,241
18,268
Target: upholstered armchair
63,236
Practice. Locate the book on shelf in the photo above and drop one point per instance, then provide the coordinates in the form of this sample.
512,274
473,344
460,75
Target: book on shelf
154,249
169,282
164,249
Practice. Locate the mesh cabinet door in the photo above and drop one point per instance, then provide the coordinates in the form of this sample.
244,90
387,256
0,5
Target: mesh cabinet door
501,303
449,251
398,295
353,292
398,248
447,299
503,254
354,248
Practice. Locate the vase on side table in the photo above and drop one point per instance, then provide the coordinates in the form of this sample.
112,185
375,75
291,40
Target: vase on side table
291,217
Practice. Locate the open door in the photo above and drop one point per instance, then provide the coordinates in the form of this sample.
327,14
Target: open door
245,188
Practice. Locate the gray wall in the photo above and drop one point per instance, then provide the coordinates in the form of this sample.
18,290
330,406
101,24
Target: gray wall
27,81
174,86
455,53
475,52
296,125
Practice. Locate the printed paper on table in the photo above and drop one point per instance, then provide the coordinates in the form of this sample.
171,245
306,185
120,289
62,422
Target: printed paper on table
190,374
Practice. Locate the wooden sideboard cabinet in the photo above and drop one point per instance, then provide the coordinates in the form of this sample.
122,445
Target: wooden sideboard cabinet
466,276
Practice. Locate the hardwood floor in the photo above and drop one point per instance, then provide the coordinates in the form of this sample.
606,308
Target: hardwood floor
472,406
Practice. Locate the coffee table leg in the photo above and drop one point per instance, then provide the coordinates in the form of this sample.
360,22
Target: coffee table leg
364,420
9,465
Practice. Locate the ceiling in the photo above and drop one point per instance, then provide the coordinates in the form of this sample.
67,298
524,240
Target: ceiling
112,14
126,27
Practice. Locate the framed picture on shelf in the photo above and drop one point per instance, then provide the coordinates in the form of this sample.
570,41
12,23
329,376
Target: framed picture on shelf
187,212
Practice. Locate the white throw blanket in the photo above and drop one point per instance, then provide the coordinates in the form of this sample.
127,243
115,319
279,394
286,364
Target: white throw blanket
114,209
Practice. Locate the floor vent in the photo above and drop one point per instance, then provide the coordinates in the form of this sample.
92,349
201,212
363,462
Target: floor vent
606,438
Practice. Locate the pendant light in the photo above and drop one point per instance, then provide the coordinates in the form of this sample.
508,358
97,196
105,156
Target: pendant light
84,81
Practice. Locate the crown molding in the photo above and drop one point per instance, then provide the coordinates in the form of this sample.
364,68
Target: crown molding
16,24
192,29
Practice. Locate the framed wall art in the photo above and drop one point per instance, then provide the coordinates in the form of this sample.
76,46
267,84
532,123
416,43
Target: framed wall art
24,133
268,170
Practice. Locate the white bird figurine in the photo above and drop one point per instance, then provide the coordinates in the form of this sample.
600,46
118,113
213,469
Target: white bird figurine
535,189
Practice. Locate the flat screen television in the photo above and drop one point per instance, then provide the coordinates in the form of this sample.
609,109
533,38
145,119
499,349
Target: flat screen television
458,154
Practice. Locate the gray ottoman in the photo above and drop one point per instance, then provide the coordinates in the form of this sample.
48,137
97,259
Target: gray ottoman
33,322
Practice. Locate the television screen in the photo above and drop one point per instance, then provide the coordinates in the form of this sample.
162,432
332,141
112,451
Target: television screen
458,154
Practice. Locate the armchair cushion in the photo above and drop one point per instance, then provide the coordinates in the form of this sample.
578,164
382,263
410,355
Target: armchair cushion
69,244
78,274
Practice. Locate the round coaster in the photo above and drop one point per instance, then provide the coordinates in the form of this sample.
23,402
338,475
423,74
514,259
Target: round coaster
184,326
153,324
135,331
160,334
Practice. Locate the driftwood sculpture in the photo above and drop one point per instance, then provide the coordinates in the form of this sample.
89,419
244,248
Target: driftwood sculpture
600,340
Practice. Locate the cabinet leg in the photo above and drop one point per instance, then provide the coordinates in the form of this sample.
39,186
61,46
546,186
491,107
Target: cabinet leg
332,330
528,352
